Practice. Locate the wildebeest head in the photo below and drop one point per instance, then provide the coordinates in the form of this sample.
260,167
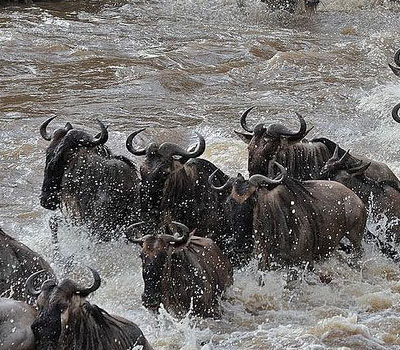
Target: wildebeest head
64,144
337,169
265,141
56,303
241,204
156,250
160,162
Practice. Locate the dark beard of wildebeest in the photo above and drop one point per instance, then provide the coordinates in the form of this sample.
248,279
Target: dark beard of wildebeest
303,159
17,263
90,185
175,186
184,272
292,5
295,222
66,321
16,318
379,197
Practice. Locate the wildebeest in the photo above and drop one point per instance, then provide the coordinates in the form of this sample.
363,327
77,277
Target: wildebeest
380,197
175,187
91,186
303,159
185,271
290,222
67,321
17,263
293,5
16,318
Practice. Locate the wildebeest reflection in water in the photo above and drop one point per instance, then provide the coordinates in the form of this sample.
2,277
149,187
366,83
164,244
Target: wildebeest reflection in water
67,321
91,186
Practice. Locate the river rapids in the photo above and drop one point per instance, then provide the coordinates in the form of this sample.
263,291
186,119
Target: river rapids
179,66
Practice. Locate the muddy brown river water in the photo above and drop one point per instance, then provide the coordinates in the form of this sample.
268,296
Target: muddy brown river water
180,66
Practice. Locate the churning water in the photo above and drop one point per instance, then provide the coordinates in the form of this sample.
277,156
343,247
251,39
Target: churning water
178,66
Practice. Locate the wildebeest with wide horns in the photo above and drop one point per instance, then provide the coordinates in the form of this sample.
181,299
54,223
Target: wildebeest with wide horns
16,318
175,187
67,321
379,197
17,263
303,159
92,186
289,222
183,272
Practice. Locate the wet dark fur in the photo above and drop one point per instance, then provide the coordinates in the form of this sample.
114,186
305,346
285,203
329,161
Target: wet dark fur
183,194
88,327
292,225
195,273
91,185
17,263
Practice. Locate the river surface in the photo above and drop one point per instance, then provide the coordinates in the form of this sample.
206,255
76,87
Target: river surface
180,66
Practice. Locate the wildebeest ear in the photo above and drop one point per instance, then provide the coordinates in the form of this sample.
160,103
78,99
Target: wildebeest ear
244,137
359,170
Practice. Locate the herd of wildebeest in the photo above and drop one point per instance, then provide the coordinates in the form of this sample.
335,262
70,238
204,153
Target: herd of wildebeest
193,222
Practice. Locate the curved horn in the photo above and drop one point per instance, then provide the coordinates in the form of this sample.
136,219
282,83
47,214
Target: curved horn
397,57
183,227
396,70
259,180
395,113
167,149
184,239
43,129
360,169
345,156
103,135
335,155
297,136
221,188
96,284
135,240
129,140
68,126
243,120
29,284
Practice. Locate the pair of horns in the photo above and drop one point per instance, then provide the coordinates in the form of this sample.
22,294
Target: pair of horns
256,180
99,139
341,163
175,241
335,156
276,130
166,149
29,284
